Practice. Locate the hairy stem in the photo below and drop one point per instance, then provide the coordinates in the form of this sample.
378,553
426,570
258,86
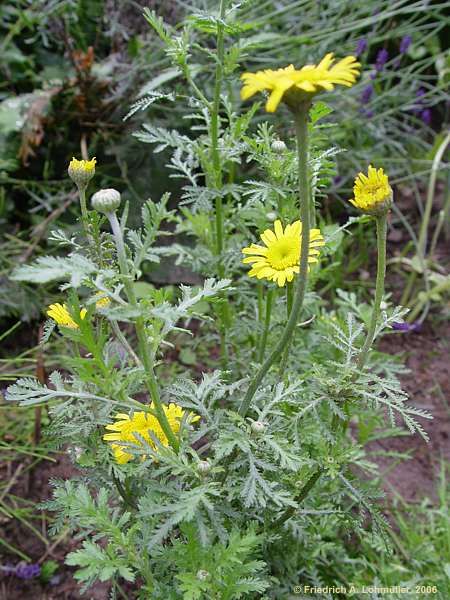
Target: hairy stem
217,167
84,212
147,361
290,512
269,301
124,342
379,289
301,129
289,297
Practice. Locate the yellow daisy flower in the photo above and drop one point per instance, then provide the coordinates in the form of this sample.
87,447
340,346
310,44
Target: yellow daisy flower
296,85
142,423
280,259
60,314
81,171
372,192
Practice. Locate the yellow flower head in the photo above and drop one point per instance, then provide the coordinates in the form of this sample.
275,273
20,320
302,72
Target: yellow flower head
280,259
103,300
372,192
60,314
297,85
81,171
142,423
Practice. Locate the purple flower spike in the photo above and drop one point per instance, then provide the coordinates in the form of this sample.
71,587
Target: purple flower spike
405,44
416,326
382,58
366,94
420,92
361,46
27,571
426,116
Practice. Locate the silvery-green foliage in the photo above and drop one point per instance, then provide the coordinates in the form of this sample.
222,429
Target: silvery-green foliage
73,268
209,521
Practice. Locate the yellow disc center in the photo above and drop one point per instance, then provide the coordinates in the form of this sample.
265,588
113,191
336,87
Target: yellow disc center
284,253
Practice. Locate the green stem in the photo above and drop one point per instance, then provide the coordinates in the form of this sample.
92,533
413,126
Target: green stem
223,310
289,300
426,297
379,288
262,347
408,288
430,195
147,361
128,500
84,212
123,340
301,129
381,271
215,154
260,307
443,219
423,234
289,297
288,513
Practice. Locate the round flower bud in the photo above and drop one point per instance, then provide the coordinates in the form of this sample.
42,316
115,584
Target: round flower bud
271,216
76,452
202,575
258,427
81,171
106,201
204,467
278,146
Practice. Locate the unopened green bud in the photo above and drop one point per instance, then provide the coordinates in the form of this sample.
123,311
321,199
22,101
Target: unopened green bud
204,467
106,201
278,146
258,427
271,216
202,575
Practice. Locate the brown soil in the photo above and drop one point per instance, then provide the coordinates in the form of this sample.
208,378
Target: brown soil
428,385
62,585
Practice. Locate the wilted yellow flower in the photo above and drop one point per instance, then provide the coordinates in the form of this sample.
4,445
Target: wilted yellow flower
280,259
144,424
296,85
372,192
60,314
81,171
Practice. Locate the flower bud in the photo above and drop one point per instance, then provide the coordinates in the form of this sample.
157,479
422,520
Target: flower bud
271,216
106,201
278,146
202,575
81,171
204,467
372,192
258,427
103,300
